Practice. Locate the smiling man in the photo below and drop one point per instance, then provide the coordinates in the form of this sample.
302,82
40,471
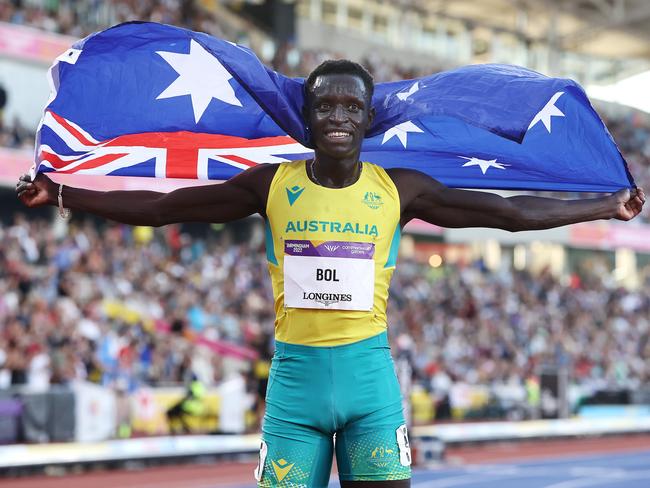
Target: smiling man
333,230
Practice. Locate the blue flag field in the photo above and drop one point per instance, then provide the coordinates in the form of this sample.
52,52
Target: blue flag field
145,99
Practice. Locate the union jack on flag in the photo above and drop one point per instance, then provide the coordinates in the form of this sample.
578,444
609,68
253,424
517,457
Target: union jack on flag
160,154
145,99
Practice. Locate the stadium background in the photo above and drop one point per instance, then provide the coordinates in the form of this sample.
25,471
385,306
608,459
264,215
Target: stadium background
103,326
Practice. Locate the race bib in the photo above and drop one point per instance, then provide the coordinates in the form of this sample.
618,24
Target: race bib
332,275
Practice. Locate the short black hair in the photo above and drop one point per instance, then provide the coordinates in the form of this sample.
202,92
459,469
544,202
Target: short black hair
341,67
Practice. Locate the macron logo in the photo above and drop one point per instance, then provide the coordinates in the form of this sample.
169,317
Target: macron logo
281,468
294,193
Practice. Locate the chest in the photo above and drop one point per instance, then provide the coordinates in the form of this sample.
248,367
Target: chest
366,213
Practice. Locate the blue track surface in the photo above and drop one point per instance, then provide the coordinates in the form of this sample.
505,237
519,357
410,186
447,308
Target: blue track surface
629,470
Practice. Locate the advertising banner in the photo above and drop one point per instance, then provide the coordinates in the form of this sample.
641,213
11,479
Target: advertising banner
28,44
95,412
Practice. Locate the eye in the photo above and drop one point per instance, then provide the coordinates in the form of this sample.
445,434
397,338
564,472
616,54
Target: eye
323,107
353,107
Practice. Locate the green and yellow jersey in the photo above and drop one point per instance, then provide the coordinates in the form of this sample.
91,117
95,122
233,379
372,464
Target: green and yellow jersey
331,255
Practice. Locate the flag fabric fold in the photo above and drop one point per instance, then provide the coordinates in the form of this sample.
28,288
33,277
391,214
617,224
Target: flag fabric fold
145,99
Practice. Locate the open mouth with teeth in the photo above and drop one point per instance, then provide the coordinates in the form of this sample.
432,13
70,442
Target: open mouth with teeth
338,135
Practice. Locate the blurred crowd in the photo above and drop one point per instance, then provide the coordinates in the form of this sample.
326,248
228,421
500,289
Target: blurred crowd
13,135
123,307
632,134
81,18
127,306
476,327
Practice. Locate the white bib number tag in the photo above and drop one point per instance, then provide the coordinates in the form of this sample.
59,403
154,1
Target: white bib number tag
332,275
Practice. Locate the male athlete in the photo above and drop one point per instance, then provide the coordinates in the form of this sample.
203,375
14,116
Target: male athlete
332,235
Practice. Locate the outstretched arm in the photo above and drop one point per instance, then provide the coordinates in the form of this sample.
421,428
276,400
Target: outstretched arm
239,197
425,198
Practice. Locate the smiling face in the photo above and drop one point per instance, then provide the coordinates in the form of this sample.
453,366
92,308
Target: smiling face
339,114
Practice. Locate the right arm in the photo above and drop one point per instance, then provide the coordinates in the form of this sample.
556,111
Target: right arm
241,196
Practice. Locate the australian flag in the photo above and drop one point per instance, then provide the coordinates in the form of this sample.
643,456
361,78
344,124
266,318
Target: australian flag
145,99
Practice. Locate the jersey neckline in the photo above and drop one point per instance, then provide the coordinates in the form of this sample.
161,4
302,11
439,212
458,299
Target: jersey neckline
313,183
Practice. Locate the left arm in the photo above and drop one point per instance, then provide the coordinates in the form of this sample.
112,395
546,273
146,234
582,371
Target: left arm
425,198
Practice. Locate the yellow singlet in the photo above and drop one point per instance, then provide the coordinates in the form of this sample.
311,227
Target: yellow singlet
331,254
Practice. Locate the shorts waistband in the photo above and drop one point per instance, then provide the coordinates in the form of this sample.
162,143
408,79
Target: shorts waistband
380,340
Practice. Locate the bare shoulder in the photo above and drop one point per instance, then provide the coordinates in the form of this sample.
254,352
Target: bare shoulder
412,184
257,179
408,177
401,173
260,175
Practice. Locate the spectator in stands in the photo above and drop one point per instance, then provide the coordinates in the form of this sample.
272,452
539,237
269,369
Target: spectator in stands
16,361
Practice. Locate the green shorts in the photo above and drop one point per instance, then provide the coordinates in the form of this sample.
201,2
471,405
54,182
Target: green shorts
342,399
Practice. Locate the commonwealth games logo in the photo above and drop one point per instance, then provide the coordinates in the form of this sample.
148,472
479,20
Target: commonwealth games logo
331,247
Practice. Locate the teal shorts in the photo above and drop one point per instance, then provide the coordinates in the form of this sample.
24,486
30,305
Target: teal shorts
326,400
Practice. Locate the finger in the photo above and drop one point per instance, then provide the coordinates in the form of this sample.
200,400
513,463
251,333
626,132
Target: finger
633,204
640,195
25,186
638,204
635,208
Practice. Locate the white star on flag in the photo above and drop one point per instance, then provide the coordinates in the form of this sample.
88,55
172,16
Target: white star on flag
547,112
201,76
484,164
401,132
404,95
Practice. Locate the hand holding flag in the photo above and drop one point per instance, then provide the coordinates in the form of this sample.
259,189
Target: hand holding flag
630,203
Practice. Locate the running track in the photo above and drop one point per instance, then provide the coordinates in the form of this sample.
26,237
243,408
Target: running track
603,471
622,462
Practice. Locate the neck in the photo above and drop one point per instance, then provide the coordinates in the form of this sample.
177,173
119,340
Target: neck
334,173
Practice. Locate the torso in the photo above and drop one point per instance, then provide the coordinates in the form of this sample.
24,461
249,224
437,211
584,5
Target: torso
331,254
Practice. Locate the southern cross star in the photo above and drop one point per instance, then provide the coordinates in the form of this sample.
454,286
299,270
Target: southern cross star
404,95
401,132
201,76
549,110
484,164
